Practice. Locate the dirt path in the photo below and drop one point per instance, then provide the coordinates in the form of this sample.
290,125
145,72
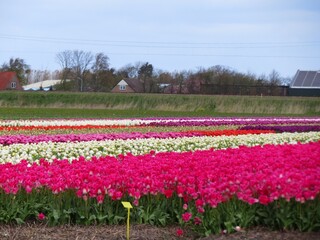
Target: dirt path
137,232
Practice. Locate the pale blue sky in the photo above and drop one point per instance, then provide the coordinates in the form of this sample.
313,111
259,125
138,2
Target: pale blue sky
254,36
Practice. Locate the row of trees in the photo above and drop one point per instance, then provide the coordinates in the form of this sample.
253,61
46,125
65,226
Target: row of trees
89,72
85,71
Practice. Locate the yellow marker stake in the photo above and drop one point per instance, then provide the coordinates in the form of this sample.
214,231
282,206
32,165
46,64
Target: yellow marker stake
128,206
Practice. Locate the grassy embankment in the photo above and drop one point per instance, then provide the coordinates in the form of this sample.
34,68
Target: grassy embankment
96,105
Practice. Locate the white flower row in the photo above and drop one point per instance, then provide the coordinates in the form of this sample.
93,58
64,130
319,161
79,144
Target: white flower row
137,121
72,150
71,122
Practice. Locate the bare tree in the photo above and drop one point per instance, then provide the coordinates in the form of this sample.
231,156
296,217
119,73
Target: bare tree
180,80
124,71
65,61
55,74
75,64
274,78
285,81
193,83
130,70
102,77
36,76
101,63
81,64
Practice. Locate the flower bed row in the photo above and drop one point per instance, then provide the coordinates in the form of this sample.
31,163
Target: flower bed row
204,121
24,139
292,128
210,190
72,150
288,174
232,121
64,127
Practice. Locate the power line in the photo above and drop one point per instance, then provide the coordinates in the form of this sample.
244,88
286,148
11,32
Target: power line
185,55
169,45
215,55
172,45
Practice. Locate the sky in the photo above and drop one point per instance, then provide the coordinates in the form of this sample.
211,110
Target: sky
247,36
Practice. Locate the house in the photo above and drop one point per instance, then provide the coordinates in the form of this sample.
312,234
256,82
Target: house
128,85
9,81
305,83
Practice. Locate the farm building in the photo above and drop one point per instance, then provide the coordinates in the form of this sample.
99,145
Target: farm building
128,85
9,81
305,83
43,85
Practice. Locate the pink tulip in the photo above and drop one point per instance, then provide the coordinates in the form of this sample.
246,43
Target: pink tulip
179,232
186,216
41,216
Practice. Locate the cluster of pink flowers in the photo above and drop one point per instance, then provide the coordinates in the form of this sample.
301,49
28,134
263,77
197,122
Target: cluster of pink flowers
281,128
24,139
230,121
208,177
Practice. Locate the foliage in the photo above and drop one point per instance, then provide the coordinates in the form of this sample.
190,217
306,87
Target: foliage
103,78
135,104
27,113
67,208
145,73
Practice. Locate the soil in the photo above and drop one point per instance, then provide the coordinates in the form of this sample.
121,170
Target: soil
137,232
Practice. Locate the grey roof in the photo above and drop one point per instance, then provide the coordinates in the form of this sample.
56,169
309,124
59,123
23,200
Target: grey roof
306,79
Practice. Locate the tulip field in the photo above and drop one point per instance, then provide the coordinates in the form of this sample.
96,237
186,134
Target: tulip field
208,174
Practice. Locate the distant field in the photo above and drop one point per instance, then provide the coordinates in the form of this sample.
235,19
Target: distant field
66,104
